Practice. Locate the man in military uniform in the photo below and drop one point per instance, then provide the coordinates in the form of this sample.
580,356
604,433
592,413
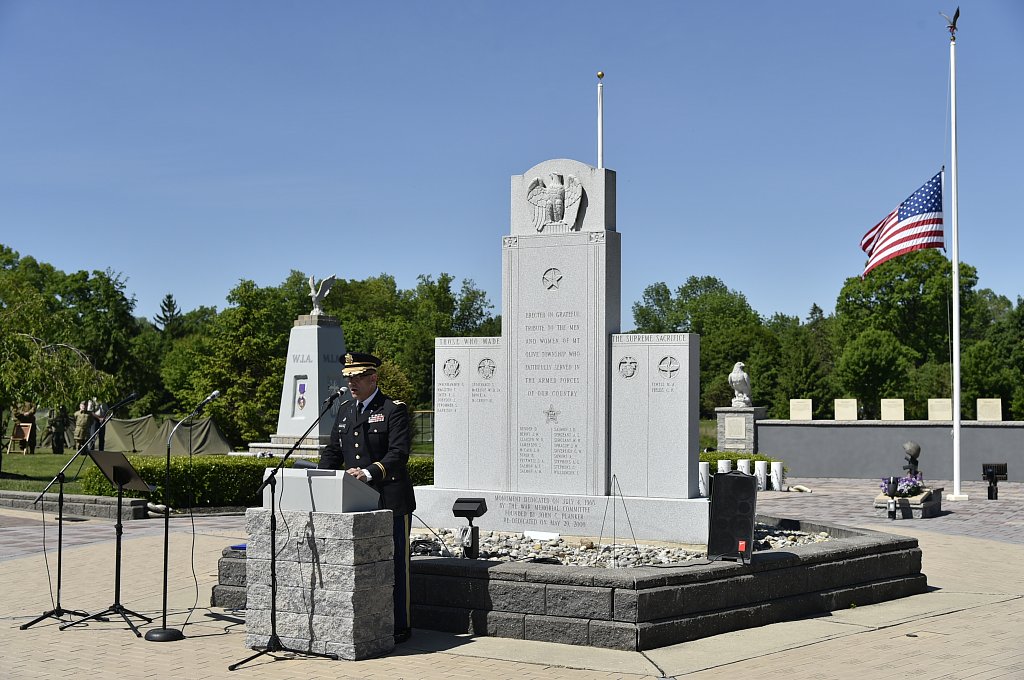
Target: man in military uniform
57,425
83,425
370,440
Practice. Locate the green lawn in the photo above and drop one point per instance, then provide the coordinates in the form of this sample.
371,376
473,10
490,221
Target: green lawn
33,473
423,448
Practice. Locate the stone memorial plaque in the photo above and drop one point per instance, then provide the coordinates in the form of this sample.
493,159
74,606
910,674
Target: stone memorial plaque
655,417
892,409
470,413
800,409
846,409
735,427
940,409
990,409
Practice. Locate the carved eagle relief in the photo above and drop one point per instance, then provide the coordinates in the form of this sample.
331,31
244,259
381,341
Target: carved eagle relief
556,204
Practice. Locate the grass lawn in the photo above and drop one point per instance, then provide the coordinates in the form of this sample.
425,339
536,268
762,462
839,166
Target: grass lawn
33,473
422,448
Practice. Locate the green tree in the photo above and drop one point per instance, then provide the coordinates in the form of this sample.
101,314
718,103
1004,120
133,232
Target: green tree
169,320
985,374
911,297
730,331
244,358
804,368
41,358
930,380
874,365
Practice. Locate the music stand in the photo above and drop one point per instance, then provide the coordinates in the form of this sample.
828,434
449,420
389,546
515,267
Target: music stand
119,471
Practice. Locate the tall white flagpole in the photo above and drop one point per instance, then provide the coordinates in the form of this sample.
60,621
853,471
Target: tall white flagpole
957,494
600,120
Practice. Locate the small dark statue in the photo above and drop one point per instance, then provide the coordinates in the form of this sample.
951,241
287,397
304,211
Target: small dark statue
913,451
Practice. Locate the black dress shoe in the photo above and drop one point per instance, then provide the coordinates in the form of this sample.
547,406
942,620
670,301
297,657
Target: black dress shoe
402,635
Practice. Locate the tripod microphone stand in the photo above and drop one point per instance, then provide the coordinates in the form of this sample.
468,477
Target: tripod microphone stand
274,642
58,610
163,633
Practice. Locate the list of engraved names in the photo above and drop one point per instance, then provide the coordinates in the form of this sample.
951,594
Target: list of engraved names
552,392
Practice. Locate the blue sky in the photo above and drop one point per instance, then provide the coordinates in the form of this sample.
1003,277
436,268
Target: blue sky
191,144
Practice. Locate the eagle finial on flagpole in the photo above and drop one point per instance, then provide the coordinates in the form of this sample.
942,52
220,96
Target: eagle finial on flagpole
951,23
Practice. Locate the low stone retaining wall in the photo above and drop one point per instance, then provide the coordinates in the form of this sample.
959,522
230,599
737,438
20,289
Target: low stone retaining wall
82,506
646,608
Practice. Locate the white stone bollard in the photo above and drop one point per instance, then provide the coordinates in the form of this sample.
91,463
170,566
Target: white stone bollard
761,474
703,475
725,465
743,465
777,479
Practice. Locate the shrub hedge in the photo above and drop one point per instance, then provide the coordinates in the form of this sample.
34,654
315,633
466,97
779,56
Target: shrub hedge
213,481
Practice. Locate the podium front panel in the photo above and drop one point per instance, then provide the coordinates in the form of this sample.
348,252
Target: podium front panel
314,490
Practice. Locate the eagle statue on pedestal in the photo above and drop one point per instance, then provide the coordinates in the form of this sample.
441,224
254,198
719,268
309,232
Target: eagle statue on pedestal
739,381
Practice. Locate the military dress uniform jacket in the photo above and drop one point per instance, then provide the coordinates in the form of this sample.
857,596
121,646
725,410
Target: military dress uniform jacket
378,440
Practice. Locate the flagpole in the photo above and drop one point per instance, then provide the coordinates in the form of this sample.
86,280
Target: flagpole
600,120
957,494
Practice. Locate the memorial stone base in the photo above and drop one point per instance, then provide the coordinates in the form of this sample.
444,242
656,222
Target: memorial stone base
680,520
335,582
926,504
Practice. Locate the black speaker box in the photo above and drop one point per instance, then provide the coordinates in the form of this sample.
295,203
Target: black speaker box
732,506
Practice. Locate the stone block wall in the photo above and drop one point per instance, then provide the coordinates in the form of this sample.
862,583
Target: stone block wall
335,579
645,608
229,593
76,504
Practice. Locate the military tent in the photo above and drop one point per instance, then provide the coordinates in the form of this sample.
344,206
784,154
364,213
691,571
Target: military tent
143,436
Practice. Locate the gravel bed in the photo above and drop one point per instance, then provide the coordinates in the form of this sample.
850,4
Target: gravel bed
509,547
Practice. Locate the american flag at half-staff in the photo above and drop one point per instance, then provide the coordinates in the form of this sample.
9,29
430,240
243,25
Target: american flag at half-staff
915,224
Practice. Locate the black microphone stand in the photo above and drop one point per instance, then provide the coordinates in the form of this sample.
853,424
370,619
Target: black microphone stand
163,633
274,642
58,610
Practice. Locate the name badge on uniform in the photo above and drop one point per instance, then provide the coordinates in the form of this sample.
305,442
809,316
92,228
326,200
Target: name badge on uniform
376,418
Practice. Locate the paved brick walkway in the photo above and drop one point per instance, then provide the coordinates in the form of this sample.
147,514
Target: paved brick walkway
970,626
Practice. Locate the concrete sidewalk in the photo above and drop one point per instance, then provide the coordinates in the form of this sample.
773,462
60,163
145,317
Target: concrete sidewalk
970,626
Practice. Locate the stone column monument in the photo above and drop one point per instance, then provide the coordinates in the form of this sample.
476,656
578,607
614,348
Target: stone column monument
312,373
561,413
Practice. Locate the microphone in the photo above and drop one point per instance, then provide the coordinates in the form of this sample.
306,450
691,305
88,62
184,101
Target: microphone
303,464
213,395
334,396
124,402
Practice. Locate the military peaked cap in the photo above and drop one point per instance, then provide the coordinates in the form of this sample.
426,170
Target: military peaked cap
357,363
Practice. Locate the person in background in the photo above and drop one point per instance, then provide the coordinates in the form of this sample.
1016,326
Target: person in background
99,412
58,423
26,415
83,424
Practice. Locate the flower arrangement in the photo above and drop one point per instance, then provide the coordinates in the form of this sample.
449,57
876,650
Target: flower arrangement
908,485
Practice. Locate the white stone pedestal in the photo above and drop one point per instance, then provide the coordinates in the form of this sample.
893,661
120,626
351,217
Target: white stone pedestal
335,582
316,348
